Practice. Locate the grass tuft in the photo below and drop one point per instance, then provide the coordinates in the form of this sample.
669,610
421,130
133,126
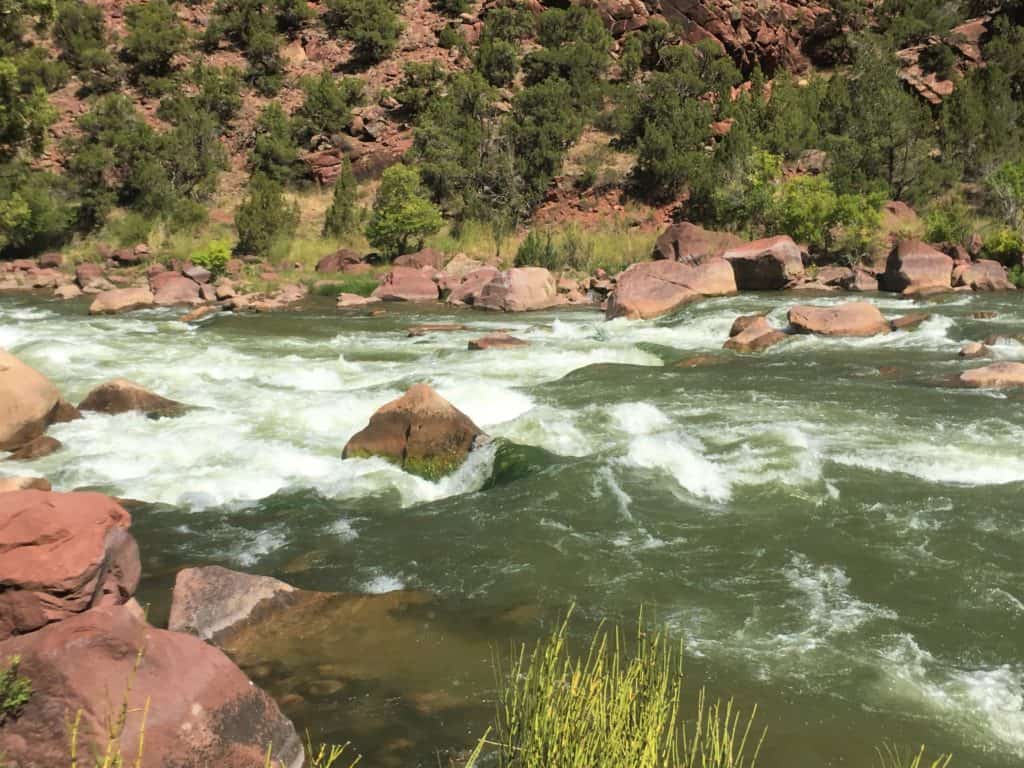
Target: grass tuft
889,756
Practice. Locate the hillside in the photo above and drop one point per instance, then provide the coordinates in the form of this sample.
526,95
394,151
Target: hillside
145,122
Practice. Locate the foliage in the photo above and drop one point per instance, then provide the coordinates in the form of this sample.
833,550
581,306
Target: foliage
452,7
948,221
372,25
421,84
80,33
360,285
939,59
497,60
155,36
219,91
889,756
275,153
1006,187
213,257
1016,275
15,690
401,213
909,22
253,26
1005,246
576,49
25,113
265,217
450,37
344,215
612,707
35,210
327,107
981,123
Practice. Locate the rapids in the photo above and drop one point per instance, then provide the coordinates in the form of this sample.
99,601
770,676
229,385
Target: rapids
833,528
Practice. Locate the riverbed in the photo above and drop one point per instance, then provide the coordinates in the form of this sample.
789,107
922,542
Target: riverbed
833,529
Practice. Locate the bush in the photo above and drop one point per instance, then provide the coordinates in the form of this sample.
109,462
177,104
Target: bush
327,107
450,37
275,153
155,36
360,285
265,218
15,690
421,84
372,25
949,221
939,59
497,60
1006,187
401,213
1016,276
81,34
35,210
538,249
344,214
452,7
214,257
1005,246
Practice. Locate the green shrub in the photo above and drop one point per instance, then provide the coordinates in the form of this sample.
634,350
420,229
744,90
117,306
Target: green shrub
265,218
36,212
1016,275
155,36
452,7
615,706
80,33
372,25
939,59
538,249
402,213
1005,246
421,84
450,37
949,221
15,690
361,285
327,107
275,153
214,257
497,60
1006,187
344,215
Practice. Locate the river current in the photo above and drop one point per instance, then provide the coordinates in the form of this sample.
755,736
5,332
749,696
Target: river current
833,528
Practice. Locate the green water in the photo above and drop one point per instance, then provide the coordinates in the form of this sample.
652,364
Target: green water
833,528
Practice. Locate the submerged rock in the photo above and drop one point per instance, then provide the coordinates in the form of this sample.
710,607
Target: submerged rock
497,341
421,432
766,265
202,709
63,553
42,446
122,396
909,322
29,402
346,300
654,288
857,318
974,349
995,376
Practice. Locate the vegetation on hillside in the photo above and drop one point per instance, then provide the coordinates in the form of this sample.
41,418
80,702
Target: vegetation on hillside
812,154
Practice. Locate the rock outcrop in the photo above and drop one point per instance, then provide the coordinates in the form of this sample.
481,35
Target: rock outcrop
983,275
29,402
650,289
915,267
523,289
468,290
857,318
407,284
691,244
421,432
202,709
121,300
766,265
995,376
63,553
121,396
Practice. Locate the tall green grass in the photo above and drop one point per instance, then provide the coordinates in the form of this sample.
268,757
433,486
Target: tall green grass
616,707
890,756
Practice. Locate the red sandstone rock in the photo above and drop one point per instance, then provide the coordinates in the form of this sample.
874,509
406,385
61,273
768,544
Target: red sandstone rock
28,402
650,289
858,318
690,244
914,267
407,284
766,265
522,289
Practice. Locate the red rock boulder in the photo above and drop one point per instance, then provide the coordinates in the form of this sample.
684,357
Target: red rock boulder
496,341
427,257
690,244
856,318
754,335
468,290
523,289
29,402
121,396
766,265
407,284
650,289
983,275
421,432
201,710
915,267
63,553
339,261
171,288
995,376
8,484
121,300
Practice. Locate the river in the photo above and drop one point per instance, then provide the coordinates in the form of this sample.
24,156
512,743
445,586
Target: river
833,529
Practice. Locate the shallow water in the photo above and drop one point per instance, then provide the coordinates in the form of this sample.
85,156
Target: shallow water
834,530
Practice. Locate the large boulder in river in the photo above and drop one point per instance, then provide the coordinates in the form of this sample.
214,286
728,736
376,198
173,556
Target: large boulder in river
202,709
29,402
40,447
522,289
753,334
63,553
915,267
121,300
983,275
995,376
121,396
407,284
766,265
172,288
420,431
855,318
210,600
472,284
690,244
653,288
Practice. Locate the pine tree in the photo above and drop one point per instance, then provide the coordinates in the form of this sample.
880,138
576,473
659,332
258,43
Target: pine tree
344,214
